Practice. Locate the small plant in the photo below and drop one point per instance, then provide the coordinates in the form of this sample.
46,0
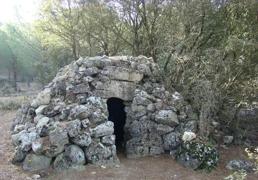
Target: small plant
12,103
206,155
238,175
253,155
6,89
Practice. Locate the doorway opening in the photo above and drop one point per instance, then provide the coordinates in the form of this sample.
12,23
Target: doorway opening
118,116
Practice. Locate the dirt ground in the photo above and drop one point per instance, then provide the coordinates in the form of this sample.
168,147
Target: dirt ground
149,168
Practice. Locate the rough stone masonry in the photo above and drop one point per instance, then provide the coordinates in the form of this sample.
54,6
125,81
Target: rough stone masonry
67,124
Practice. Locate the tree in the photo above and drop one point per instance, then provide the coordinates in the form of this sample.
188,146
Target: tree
207,49
8,55
218,46
60,18
18,53
98,21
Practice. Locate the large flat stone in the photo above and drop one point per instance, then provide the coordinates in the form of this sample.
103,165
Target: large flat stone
122,74
167,117
104,129
119,89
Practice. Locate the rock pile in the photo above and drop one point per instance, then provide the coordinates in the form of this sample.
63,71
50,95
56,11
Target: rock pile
238,165
67,124
197,155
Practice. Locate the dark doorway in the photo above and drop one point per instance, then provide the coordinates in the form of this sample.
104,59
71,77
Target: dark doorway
117,116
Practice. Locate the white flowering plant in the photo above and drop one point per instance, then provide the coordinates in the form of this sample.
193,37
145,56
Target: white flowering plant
207,155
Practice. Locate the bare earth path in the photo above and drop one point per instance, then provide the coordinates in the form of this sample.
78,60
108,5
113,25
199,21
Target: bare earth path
7,169
150,168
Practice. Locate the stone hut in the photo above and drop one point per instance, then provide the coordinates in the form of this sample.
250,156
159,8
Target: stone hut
96,107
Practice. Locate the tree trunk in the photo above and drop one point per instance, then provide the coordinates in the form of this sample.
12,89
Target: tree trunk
136,48
74,49
90,44
204,121
28,82
9,75
105,49
14,69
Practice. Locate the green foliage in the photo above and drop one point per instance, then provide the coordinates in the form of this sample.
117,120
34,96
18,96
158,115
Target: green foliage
5,51
13,102
253,155
207,155
16,42
193,40
206,49
217,47
238,175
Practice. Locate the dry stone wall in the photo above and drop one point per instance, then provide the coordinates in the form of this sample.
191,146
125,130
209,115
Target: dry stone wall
67,124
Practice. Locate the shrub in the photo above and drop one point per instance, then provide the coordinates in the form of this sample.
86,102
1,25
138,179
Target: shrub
238,175
205,156
253,155
12,103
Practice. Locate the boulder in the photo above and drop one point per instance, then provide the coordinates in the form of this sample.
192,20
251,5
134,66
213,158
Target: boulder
137,129
228,139
99,154
167,117
24,139
42,125
34,162
156,150
91,71
188,136
108,140
37,146
58,138
188,161
163,129
82,139
73,156
139,100
61,163
98,117
81,88
40,109
171,141
96,102
159,92
19,155
42,121
74,128
144,69
237,165
135,148
190,126
18,128
85,123
80,112
104,129
151,107
139,110
43,98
